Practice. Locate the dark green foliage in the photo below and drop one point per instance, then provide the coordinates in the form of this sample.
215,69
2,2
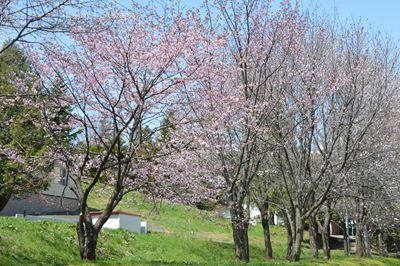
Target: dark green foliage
207,205
167,126
20,132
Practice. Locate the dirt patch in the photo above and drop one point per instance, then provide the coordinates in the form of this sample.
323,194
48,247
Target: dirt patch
218,237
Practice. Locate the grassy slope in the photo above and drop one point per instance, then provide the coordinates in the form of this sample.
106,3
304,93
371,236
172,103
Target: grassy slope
191,237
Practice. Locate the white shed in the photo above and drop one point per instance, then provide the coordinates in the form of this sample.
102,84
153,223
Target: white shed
120,220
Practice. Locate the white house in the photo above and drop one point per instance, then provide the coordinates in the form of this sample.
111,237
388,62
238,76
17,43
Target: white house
58,198
255,215
278,220
121,220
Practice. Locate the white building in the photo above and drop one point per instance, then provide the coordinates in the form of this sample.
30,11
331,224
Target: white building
120,220
255,215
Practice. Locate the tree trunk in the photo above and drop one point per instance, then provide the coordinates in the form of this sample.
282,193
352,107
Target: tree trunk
367,242
240,225
346,240
326,233
4,198
297,228
325,244
382,238
360,223
271,218
360,252
296,248
265,220
313,233
289,239
87,237
325,230
398,248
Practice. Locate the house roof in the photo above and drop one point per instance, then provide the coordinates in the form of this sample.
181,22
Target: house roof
98,213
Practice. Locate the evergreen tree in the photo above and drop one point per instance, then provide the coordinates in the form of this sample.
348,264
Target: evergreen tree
23,143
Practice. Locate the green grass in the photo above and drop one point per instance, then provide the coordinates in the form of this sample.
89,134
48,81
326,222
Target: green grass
175,219
191,237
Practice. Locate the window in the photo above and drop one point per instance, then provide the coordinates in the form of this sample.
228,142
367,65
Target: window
63,176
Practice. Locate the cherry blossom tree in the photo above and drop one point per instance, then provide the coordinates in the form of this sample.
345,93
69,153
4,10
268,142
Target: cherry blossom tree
372,64
331,94
223,111
122,68
371,191
304,128
260,98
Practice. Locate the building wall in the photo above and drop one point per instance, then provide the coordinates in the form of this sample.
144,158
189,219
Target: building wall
40,204
278,220
122,221
113,222
60,186
335,229
57,198
59,190
129,222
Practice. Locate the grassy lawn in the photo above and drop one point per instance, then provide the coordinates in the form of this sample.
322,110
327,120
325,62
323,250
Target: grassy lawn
190,237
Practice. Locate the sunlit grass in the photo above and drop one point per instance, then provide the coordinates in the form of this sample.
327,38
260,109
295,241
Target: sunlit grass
190,237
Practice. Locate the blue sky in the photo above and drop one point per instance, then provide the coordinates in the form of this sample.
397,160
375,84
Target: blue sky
381,15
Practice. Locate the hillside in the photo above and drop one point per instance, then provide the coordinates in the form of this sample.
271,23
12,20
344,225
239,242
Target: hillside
188,237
